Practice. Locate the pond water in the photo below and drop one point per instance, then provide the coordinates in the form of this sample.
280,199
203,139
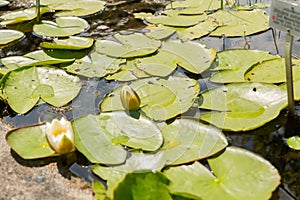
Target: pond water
268,141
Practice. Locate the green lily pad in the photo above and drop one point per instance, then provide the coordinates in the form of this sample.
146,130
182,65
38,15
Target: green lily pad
143,185
51,3
160,99
92,141
3,3
14,62
137,161
233,64
128,72
128,46
161,64
95,65
64,26
41,58
240,23
272,71
174,19
200,5
294,142
159,32
188,140
15,17
7,36
30,142
192,56
243,106
235,174
24,86
140,133
72,43
78,8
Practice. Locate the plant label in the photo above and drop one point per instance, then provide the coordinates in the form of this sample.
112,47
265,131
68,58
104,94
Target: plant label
285,16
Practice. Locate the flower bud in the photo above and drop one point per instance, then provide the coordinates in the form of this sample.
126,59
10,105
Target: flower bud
129,98
60,136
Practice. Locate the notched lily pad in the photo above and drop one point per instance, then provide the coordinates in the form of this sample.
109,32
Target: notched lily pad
236,174
128,46
64,26
72,43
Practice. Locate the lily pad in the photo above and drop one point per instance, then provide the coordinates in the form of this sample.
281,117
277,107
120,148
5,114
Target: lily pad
19,16
140,133
294,142
143,185
95,65
233,64
159,32
30,142
235,174
14,62
272,71
7,36
192,56
78,8
64,26
92,141
128,72
189,140
240,23
24,86
128,46
161,64
3,3
243,106
160,99
42,58
72,43
137,161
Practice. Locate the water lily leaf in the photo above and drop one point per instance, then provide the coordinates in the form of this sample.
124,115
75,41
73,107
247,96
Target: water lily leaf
161,64
240,23
244,106
143,185
78,8
30,142
24,86
137,161
174,19
140,133
272,71
64,26
7,36
160,99
294,142
72,43
51,3
3,3
19,16
200,5
233,64
95,65
41,58
128,72
188,140
236,174
192,56
133,45
14,62
159,32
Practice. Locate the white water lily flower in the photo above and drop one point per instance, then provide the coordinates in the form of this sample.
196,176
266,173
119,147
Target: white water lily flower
129,98
60,136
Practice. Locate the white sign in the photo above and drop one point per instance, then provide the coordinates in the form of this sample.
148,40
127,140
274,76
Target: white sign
285,16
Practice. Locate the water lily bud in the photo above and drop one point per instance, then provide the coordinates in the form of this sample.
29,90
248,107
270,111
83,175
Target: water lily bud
60,136
129,98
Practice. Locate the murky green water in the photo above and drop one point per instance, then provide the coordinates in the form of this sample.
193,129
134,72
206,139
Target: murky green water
268,141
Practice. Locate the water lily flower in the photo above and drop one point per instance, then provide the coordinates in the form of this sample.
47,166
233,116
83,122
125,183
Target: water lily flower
60,136
130,99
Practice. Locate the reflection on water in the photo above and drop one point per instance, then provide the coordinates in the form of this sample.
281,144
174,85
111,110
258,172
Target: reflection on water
268,141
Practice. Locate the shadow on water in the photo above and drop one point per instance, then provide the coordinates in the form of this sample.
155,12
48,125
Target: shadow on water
268,141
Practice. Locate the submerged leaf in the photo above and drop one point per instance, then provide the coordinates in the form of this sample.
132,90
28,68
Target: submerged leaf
243,106
160,99
294,142
236,174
